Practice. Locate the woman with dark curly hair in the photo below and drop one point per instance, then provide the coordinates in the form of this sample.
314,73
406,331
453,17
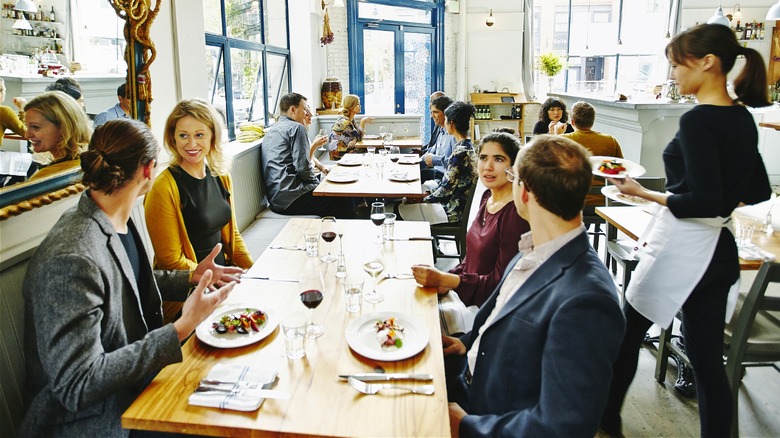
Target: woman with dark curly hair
447,200
553,118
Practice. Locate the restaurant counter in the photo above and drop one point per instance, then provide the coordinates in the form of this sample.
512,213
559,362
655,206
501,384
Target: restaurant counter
99,90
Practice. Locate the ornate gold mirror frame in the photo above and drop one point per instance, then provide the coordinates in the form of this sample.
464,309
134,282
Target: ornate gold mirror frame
139,55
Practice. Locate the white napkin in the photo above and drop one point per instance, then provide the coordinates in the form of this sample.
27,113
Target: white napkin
234,373
752,252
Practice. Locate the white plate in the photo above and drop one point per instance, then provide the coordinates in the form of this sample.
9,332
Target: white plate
371,137
402,178
206,333
350,162
613,193
342,178
409,160
632,169
361,337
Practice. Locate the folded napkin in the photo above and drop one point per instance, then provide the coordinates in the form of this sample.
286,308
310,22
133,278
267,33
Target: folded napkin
752,252
238,374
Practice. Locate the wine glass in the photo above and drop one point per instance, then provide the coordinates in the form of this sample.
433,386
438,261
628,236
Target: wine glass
378,218
311,297
328,230
382,132
324,145
373,265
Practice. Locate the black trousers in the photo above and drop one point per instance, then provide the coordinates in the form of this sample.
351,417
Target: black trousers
702,324
308,204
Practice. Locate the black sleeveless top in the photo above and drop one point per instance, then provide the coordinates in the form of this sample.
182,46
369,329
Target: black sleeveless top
205,208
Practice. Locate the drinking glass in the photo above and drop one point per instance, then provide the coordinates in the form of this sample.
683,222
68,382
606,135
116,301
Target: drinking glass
328,230
324,146
378,218
382,132
373,265
311,297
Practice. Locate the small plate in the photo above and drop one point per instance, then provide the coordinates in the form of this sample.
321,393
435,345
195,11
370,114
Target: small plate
361,337
409,160
402,177
613,193
350,163
341,178
206,333
632,169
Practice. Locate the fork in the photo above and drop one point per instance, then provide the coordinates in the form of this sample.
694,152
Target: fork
401,276
291,247
373,388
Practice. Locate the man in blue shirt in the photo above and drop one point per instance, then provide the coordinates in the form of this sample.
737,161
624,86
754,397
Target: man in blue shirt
437,154
287,172
119,111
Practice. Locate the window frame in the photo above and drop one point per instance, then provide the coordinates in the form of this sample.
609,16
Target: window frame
225,43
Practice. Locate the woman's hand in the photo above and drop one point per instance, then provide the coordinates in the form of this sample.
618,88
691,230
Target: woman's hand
221,275
365,120
200,304
318,141
20,102
556,128
627,186
429,276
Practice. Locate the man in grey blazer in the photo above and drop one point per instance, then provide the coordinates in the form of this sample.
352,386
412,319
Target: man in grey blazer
538,360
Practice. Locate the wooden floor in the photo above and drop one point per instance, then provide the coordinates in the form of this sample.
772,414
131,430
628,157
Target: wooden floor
651,409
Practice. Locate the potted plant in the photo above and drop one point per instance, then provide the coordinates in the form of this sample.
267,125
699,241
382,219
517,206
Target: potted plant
550,65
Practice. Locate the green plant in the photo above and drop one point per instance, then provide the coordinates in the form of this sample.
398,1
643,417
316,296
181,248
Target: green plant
549,64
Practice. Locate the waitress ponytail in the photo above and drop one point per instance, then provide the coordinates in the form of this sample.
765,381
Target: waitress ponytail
751,84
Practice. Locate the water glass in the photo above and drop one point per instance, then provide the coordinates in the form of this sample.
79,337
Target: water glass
312,239
744,227
388,227
341,267
294,330
353,294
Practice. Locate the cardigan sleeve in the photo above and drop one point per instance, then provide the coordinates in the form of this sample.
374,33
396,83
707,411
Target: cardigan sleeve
166,225
237,251
10,120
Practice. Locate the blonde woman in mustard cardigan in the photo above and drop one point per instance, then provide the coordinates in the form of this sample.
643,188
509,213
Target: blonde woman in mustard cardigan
190,208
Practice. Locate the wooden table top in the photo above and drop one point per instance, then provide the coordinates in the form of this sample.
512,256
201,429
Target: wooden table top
368,183
401,142
634,220
321,404
775,126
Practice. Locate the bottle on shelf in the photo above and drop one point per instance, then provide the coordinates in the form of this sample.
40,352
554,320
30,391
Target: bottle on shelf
52,16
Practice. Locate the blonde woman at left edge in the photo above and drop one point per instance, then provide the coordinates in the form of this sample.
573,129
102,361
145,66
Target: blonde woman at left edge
190,206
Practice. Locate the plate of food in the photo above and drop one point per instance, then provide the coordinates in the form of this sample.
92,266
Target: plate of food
387,336
341,177
613,167
402,177
409,160
236,326
613,193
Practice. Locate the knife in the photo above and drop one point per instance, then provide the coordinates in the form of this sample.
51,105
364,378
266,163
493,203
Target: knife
411,238
381,377
264,393
250,277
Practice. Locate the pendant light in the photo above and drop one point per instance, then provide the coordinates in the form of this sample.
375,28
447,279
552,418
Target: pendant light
490,21
22,23
774,12
719,18
25,6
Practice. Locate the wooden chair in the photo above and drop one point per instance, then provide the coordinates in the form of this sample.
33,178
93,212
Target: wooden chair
589,217
455,231
752,338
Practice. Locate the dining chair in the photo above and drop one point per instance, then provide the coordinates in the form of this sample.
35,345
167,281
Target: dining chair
752,338
590,218
455,231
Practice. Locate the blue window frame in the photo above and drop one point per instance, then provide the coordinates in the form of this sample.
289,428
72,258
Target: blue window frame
249,60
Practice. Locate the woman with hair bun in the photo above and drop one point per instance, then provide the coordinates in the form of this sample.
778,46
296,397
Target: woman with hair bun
553,118
58,130
345,131
690,261
447,200
191,208
94,331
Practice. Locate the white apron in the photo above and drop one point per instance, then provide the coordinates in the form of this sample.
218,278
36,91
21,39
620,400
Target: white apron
673,256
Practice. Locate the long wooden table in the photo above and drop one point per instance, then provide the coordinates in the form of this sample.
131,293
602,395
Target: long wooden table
634,220
321,404
369,184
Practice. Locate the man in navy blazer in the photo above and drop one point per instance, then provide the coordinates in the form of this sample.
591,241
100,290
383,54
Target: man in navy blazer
538,361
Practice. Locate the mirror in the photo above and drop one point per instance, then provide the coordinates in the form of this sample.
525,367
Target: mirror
139,53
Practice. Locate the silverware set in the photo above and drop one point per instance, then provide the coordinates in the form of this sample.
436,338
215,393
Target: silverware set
242,389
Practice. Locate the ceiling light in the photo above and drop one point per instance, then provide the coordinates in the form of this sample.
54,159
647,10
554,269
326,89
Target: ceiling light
490,21
737,15
719,18
22,23
25,6
774,12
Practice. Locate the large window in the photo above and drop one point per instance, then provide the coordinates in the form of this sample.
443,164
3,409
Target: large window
607,49
396,55
98,36
247,58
